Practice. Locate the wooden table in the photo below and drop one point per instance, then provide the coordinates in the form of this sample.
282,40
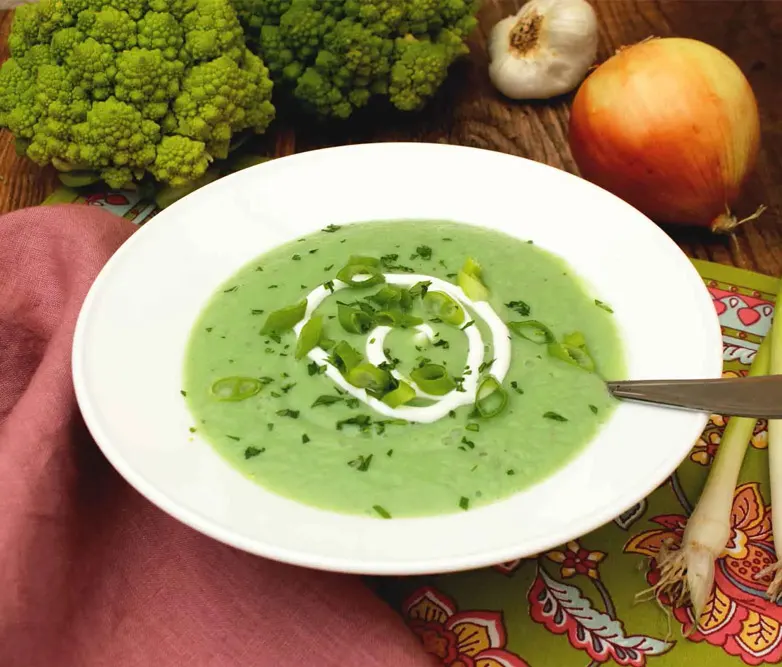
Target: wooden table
468,111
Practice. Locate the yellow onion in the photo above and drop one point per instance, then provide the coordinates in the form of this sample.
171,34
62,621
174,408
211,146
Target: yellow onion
671,126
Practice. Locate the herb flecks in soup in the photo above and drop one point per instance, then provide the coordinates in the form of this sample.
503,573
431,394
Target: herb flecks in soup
400,369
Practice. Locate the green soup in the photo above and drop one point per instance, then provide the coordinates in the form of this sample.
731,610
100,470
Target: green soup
288,425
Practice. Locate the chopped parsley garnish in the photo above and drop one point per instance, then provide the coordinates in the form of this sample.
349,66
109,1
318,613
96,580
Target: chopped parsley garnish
423,251
326,400
329,267
296,257
555,416
362,421
293,414
275,394
273,286
231,289
183,392
209,329
305,438
593,408
468,325
275,337
486,365
192,429
511,471
381,511
452,414
259,268
604,306
445,238
361,463
257,311
265,380
516,388
390,452
313,251
330,229
234,437
387,260
352,403
314,368
329,285
253,451
520,307
270,426
286,388
464,503
443,344
469,443
472,426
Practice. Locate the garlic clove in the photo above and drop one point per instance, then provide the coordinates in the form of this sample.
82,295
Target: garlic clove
544,50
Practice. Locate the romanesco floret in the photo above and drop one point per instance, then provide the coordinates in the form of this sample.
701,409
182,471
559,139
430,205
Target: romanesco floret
333,56
126,88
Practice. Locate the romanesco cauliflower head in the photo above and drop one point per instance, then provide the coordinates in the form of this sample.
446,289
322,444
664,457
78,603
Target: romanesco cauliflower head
132,87
334,56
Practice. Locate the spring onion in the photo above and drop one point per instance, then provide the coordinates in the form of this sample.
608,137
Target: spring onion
388,295
433,379
344,357
445,308
236,388
491,398
396,318
532,330
573,350
689,570
775,462
369,377
404,393
367,267
309,337
353,320
471,282
285,318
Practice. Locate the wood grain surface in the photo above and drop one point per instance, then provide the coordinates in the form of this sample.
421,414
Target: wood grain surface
468,111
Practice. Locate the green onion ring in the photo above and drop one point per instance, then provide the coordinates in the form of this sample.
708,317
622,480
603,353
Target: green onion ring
285,318
533,330
491,398
235,388
433,379
309,337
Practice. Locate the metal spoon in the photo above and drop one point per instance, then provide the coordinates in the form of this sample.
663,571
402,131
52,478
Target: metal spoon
759,397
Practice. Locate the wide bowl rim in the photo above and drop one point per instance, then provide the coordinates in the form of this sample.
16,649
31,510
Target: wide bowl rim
158,497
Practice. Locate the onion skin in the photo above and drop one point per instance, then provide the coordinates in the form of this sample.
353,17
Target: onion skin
671,126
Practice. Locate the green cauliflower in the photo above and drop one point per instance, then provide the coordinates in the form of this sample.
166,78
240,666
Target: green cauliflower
130,88
334,56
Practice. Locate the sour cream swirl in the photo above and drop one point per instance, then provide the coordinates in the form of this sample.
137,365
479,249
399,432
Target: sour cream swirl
375,354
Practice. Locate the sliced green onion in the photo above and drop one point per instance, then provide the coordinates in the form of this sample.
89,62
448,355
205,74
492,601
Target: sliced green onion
388,295
491,398
309,337
444,307
576,339
285,318
369,377
236,388
433,379
344,357
571,354
404,393
363,260
396,318
469,279
371,272
532,330
354,320
420,289
326,343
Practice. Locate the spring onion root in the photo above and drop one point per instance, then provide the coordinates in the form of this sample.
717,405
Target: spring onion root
688,572
775,465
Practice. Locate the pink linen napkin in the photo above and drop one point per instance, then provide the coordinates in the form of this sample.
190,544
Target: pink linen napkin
91,574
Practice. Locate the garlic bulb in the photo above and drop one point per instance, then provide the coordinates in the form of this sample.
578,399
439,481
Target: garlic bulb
544,50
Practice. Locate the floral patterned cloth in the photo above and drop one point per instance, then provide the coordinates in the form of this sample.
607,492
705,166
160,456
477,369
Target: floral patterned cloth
579,605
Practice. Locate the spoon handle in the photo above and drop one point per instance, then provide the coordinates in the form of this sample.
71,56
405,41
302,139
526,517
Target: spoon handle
759,397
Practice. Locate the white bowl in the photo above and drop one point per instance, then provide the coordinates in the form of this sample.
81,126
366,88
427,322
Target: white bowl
136,320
